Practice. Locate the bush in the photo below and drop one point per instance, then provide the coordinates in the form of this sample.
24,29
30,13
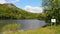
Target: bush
11,27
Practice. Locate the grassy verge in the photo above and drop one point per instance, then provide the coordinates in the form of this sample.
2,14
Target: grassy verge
46,30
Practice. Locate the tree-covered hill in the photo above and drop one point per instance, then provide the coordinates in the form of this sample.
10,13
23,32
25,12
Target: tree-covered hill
10,11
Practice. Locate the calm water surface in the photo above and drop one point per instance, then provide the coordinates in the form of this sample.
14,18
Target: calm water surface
27,24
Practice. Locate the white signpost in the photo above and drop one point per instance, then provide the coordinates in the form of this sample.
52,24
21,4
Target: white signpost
53,22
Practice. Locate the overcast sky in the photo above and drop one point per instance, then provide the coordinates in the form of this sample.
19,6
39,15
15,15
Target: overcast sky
33,6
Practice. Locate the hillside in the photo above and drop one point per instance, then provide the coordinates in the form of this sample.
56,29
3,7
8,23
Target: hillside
10,11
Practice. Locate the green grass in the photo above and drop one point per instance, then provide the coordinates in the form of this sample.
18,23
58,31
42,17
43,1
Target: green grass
46,30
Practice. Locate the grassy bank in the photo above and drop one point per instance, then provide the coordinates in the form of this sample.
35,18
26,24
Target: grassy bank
46,30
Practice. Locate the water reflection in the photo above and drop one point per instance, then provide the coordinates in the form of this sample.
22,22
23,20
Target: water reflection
27,24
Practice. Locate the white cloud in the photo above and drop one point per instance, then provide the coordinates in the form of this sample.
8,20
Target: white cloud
34,9
2,1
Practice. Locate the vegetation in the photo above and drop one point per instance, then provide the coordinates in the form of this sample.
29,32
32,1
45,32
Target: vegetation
52,10
46,30
10,11
11,27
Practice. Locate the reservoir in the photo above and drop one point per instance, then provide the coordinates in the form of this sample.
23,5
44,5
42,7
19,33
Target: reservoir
27,24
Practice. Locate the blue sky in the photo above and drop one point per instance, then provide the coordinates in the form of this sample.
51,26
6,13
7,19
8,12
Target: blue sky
23,3
32,5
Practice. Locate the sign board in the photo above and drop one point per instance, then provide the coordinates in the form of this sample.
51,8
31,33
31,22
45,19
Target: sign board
53,20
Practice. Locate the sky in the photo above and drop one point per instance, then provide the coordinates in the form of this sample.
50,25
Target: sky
34,6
